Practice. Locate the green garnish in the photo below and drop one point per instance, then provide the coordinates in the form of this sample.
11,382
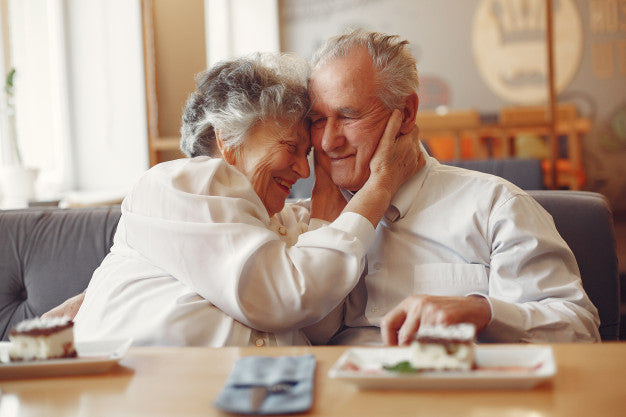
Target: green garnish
403,367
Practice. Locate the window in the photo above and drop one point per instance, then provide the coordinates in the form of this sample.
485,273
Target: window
79,92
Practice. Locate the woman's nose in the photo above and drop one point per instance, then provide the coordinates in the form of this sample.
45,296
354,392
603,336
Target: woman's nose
301,166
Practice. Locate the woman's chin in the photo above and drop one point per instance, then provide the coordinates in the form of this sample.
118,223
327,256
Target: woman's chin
275,206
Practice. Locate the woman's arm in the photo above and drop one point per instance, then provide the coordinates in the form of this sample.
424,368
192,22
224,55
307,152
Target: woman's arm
208,229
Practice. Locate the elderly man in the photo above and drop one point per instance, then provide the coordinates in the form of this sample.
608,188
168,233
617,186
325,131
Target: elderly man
455,245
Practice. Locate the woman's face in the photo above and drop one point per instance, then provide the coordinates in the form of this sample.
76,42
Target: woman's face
274,157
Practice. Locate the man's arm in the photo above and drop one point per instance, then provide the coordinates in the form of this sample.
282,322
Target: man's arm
535,291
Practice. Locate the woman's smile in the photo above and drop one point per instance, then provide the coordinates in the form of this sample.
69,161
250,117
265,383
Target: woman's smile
285,185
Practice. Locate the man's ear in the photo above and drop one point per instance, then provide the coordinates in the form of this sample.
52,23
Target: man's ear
409,113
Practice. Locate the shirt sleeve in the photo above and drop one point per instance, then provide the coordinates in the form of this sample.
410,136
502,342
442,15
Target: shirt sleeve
221,247
535,289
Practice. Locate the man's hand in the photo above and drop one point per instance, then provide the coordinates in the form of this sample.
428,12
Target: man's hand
400,325
69,308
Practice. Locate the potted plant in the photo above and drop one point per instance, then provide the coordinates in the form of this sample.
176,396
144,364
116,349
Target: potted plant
17,182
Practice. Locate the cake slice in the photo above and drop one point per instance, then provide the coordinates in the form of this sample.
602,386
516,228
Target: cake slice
444,347
40,339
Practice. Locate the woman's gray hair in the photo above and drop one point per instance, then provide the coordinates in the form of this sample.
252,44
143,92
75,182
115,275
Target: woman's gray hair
396,66
234,95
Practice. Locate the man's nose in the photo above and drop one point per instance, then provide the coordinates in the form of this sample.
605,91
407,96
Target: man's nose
333,136
301,166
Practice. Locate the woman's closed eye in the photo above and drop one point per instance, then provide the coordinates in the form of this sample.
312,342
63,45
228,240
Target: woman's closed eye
291,146
318,123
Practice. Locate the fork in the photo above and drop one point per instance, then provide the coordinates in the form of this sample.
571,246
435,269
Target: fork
258,393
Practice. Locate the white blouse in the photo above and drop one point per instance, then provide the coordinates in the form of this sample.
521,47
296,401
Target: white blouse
197,260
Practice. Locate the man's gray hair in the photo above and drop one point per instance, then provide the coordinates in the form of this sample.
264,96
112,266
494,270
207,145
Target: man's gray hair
396,66
234,95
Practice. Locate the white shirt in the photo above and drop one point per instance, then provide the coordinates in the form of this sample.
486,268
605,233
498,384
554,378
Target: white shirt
197,260
456,232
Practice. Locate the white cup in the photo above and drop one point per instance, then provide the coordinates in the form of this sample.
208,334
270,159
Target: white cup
18,185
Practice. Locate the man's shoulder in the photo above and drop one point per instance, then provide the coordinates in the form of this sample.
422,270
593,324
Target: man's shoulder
456,189
453,177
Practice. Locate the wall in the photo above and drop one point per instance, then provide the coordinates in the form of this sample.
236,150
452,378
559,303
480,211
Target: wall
441,34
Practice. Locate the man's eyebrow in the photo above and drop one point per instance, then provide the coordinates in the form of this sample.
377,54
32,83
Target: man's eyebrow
348,111
344,111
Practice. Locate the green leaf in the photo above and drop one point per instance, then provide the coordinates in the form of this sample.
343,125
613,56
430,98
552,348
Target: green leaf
9,83
403,367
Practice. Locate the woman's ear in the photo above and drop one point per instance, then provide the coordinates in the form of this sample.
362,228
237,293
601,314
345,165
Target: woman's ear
228,154
409,113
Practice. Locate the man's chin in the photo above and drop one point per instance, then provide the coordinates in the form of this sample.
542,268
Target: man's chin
348,183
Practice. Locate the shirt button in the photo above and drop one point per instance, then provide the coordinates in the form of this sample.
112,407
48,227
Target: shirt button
375,310
282,230
259,342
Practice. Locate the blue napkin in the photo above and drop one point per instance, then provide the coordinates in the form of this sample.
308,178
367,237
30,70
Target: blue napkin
251,372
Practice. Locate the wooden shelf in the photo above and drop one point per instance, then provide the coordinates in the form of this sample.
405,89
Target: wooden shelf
165,143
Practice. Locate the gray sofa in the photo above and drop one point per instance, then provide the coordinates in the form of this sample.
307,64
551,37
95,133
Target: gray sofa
49,255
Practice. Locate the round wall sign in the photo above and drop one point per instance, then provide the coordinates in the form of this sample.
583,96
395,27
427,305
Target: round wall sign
510,49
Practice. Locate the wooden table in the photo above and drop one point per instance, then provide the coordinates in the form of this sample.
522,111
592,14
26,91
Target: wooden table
590,381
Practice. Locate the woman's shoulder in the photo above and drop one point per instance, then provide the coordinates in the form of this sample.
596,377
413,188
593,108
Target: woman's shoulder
200,187
201,175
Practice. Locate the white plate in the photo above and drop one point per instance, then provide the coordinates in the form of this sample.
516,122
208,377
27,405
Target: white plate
499,367
93,357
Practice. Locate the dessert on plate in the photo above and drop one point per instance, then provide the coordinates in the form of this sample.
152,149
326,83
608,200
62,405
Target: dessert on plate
40,339
444,347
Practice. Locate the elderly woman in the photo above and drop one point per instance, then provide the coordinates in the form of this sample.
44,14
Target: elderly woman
207,253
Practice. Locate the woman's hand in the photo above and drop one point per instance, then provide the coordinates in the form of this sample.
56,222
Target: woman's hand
327,202
69,308
397,158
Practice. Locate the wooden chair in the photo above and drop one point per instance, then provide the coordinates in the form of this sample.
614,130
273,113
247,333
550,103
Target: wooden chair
453,135
533,120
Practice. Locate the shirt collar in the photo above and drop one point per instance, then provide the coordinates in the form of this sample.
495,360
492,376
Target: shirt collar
401,201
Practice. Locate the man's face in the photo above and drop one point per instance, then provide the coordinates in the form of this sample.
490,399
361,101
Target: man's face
348,119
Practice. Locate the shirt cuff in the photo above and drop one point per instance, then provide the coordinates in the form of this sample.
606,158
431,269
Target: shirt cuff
506,320
357,225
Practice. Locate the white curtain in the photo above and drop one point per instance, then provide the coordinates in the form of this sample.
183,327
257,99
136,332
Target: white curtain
237,27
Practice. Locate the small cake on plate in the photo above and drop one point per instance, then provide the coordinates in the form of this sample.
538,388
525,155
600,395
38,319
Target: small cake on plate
40,339
444,347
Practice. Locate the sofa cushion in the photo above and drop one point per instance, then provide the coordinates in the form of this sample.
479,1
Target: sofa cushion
585,220
48,255
525,173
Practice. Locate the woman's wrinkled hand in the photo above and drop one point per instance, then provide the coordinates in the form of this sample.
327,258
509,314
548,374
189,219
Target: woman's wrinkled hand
397,157
327,202
69,308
